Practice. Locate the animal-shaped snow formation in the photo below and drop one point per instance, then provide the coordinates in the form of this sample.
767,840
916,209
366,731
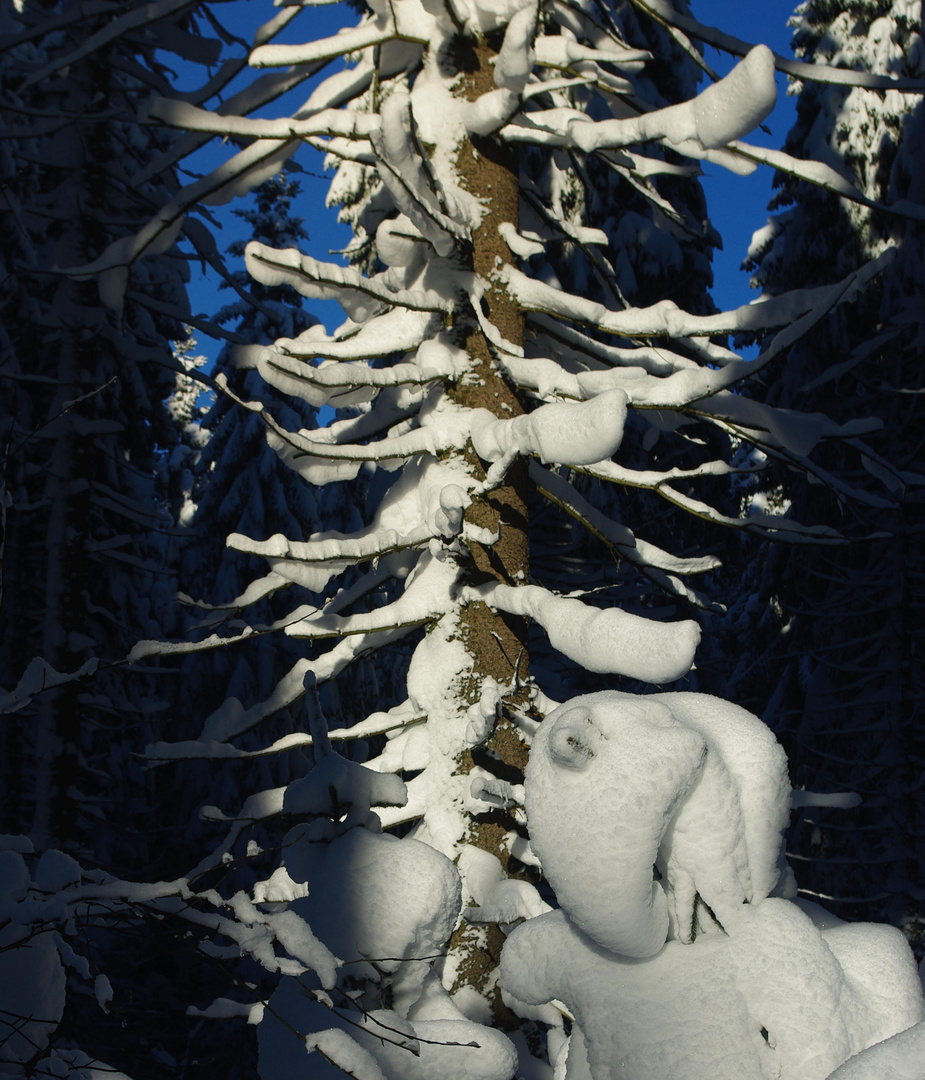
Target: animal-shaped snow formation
658,821
687,783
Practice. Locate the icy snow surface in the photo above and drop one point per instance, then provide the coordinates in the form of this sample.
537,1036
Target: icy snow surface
695,973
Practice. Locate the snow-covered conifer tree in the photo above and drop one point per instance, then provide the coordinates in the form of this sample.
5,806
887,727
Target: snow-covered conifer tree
84,376
842,687
234,483
85,366
491,356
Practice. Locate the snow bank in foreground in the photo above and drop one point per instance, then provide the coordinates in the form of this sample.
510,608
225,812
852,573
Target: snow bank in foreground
690,970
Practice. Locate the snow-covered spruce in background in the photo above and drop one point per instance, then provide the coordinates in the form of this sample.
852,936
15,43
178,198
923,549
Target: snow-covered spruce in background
465,353
84,553
836,672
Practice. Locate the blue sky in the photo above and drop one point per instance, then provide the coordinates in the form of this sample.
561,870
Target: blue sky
737,205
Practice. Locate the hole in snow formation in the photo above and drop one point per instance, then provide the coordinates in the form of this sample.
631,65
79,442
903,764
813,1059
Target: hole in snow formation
572,739
703,919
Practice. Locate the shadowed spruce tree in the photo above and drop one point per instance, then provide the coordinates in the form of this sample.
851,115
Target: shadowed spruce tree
235,484
86,544
841,684
82,422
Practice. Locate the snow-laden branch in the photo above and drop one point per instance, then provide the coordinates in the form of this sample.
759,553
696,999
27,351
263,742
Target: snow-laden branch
328,281
725,111
348,383
370,33
232,719
442,217
323,462
392,332
606,640
570,434
657,565
767,525
313,563
427,596
824,176
378,723
666,319
244,171
343,123
665,13
565,53
38,677
139,16
255,591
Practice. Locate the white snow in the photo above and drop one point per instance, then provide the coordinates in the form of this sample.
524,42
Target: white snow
698,1011
353,906
605,640
350,784
901,1057
723,112
343,1052
32,990
386,907
569,434
437,1042
657,818
661,986
426,501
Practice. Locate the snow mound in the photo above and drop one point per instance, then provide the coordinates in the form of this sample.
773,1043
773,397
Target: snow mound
353,907
772,999
386,907
658,821
901,1057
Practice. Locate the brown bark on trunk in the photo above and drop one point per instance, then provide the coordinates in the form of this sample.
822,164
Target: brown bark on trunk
496,642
